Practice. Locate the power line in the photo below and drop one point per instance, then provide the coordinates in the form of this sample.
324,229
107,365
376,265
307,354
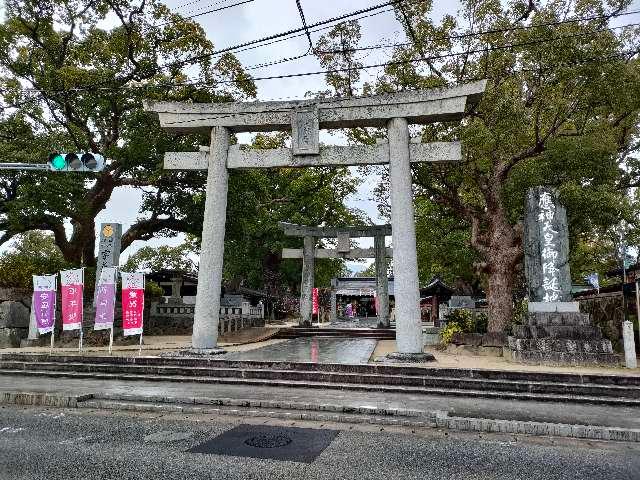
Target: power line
208,5
449,37
340,70
304,25
485,32
435,57
432,57
283,34
206,13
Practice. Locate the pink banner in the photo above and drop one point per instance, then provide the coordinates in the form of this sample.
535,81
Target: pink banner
44,302
315,302
105,299
132,303
72,285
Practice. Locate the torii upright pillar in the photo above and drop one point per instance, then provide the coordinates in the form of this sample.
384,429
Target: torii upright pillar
207,309
405,261
308,280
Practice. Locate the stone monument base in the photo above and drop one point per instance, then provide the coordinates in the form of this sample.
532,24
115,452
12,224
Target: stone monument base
555,337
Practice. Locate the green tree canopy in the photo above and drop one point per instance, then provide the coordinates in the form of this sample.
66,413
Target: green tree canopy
68,83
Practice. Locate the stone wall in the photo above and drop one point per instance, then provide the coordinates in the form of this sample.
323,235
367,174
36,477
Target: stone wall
14,316
607,312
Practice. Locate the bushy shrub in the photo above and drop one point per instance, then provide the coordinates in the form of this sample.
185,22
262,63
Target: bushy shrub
152,289
461,320
446,335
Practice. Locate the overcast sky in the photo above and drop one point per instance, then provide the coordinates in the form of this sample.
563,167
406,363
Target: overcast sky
260,18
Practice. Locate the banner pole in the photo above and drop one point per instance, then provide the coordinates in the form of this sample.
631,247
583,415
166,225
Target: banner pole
111,340
51,348
140,350
81,312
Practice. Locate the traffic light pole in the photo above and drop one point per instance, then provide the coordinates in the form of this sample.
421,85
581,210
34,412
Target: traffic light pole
24,166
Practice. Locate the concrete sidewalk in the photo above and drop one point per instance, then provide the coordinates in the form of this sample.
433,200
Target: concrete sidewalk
456,413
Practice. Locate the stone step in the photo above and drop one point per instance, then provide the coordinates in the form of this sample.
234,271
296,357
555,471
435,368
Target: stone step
327,378
581,332
622,379
480,393
549,344
544,319
534,357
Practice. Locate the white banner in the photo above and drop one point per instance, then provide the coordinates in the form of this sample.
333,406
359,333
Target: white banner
44,282
133,281
72,277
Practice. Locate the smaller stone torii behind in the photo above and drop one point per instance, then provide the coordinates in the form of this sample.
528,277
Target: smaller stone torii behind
344,234
304,119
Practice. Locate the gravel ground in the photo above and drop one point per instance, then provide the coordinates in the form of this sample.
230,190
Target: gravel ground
37,443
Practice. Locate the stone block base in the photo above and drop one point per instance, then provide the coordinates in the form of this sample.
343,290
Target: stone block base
532,357
560,337
559,307
563,345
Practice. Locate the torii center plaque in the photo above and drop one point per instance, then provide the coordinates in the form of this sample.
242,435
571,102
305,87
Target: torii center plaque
304,118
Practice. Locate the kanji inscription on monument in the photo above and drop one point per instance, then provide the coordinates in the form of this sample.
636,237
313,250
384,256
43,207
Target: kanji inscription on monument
546,247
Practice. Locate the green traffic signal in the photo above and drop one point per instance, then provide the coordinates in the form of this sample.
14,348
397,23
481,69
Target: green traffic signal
57,161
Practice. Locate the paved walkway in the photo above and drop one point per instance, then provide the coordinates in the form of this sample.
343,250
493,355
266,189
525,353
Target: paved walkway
567,413
312,349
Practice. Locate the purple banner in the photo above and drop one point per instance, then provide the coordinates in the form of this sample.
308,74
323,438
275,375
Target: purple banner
105,304
44,304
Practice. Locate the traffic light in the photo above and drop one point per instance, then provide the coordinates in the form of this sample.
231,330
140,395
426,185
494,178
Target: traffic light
76,162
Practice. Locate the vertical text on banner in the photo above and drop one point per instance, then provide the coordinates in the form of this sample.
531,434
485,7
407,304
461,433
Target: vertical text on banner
105,298
315,302
72,286
44,302
132,302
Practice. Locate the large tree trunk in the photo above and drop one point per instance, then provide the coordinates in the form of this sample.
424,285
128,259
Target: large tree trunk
500,292
501,248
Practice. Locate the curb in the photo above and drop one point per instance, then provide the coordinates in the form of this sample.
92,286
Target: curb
43,399
319,412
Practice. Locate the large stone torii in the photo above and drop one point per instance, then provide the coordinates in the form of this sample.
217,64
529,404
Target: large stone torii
308,253
304,118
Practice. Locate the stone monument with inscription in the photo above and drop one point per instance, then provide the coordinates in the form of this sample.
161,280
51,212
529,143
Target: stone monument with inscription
555,332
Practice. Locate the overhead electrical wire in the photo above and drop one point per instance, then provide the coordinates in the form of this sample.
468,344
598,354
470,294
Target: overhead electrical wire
364,67
205,13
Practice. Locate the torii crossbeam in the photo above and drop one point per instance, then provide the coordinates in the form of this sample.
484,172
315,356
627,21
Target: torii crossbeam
304,119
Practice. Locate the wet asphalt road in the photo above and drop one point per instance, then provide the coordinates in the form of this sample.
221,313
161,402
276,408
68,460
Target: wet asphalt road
38,443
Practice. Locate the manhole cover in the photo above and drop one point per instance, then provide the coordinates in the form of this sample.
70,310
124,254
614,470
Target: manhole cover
265,441
268,441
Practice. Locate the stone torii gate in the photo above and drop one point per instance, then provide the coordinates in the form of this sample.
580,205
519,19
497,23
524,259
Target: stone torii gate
304,118
309,253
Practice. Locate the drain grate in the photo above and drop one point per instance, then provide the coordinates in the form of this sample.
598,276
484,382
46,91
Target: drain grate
269,442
